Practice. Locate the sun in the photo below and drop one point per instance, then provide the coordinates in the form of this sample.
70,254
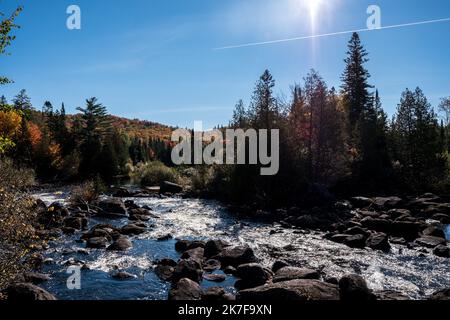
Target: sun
313,6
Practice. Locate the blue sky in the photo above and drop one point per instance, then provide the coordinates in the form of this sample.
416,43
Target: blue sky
155,59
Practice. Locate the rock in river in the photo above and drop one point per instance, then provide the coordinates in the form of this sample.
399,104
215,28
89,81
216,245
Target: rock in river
27,292
185,290
292,273
252,275
300,290
237,255
121,244
97,243
354,288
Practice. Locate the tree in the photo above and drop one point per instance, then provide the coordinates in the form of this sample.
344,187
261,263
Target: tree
239,116
355,87
22,103
6,27
417,140
263,107
10,129
94,127
444,107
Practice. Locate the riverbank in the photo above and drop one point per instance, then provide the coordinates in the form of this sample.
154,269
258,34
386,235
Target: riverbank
148,228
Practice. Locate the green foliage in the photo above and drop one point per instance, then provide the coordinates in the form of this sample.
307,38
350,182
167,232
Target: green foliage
6,27
154,173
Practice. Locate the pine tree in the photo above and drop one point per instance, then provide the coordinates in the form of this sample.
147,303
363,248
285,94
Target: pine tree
239,116
355,88
22,103
263,107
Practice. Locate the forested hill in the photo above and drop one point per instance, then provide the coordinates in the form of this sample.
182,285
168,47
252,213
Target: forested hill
142,129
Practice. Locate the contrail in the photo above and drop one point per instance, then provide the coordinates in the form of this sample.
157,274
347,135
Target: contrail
332,34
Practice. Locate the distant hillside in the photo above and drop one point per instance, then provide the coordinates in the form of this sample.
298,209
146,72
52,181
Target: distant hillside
138,128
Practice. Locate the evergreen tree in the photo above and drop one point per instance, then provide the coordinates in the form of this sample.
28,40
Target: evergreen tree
263,107
355,87
22,103
239,116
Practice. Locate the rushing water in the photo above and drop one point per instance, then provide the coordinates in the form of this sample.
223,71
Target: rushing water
404,270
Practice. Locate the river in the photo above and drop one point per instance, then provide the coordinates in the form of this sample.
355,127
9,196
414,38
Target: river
404,270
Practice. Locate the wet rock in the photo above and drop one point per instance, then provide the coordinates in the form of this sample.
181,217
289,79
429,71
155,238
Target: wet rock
216,294
354,288
397,213
442,251
384,203
251,275
434,232
167,262
23,292
35,261
214,277
353,241
356,231
169,187
112,207
121,244
230,270
122,275
194,254
294,290
97,243
165,238
332,280
214,247
35,278
389,295
164,272
292,273
54,215
442,295
196,244
123,193
379,241
236,255
68,230
211,265
407,230
185,290
430,242
190,269
182,245
443,218
278,265
75,223
380,225
361,202
133,229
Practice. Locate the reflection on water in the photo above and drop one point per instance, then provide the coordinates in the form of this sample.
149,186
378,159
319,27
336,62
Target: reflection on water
403,269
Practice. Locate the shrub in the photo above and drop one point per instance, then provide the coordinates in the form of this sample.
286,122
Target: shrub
16,220
87,192
154,173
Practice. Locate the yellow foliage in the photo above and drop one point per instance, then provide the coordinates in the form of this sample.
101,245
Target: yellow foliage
10,124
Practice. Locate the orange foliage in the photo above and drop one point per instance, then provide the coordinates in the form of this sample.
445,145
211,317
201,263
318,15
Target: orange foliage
35,135
54,151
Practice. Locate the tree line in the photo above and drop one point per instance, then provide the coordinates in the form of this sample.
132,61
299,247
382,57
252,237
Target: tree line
342,139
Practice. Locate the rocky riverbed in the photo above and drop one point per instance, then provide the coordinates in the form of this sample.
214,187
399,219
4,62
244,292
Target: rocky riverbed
148,247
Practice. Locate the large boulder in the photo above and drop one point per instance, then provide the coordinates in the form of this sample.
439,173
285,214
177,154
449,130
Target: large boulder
236,255
97,243
434,232
216,294
354,288
251,275
27,292
406,229
361,202
379,241
133,229
121,244
389,295
430,242
169,187
376,224
35,278
76,223
113,207
353,241
384,203
292,273
185,290
194,254
190,269
442,251
294,290
442,295
214,247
